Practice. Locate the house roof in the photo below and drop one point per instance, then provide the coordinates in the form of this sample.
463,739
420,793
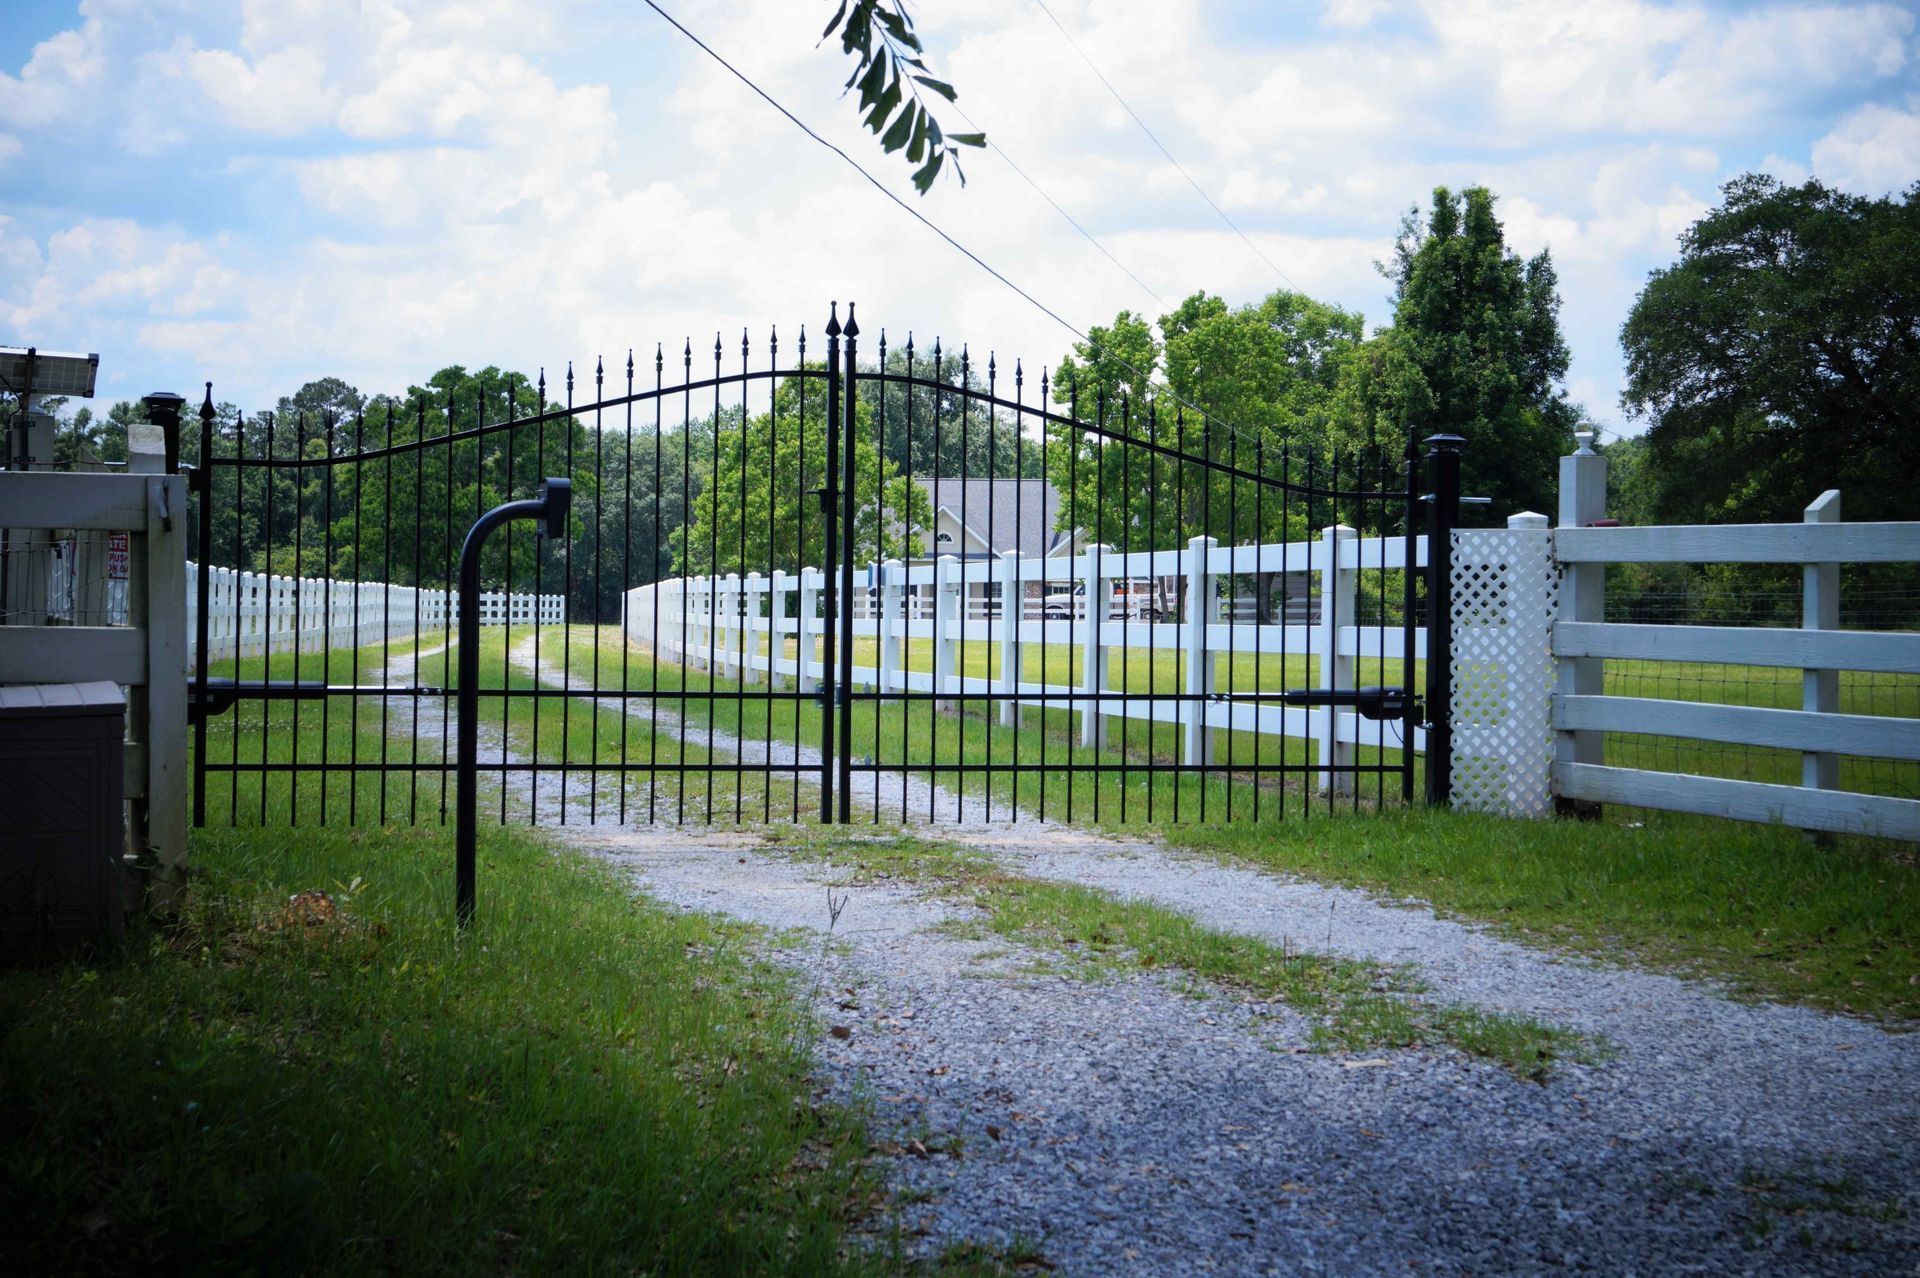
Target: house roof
1004,514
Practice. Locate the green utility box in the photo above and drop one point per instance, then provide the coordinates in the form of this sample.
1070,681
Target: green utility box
62,816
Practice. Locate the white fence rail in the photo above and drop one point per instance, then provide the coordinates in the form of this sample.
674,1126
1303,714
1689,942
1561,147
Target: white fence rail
742,628
252,613
1582,713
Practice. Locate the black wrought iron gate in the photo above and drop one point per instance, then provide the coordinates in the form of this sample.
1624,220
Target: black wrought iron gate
904,585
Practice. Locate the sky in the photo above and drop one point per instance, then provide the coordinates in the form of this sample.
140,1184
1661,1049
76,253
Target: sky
263,192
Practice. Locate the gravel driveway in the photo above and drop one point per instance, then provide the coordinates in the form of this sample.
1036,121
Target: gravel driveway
1134,1125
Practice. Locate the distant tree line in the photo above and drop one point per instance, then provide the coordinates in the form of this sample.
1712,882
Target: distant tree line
1778,356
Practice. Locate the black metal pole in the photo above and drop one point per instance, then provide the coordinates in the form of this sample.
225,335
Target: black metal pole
203,484
556,496
830,571
1443,508
843,684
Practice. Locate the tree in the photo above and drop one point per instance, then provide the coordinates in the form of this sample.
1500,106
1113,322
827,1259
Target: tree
754,503
890,73
1475,350
1780,356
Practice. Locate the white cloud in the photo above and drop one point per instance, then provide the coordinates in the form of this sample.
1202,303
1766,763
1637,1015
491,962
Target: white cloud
54,83
1352,14
1874,151
10,146
283,93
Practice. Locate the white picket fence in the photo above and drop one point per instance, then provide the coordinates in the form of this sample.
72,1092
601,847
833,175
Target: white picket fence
251,613
741,626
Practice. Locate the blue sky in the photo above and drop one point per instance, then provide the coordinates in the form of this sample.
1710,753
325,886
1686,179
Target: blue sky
259,192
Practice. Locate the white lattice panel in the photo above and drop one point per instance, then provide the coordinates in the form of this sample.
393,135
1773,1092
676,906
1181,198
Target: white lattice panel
1505,590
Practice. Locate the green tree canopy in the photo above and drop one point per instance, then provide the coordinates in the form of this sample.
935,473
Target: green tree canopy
1780,356
1475,350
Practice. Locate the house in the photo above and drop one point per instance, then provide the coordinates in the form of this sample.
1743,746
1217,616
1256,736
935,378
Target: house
977,519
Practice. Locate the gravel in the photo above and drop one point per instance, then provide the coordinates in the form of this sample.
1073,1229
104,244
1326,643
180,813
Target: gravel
1129,1125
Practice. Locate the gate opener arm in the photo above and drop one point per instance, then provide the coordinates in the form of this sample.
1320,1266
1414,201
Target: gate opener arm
1372,703
222,693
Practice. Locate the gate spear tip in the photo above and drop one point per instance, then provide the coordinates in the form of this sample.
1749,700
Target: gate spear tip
853,325
206,405
833,319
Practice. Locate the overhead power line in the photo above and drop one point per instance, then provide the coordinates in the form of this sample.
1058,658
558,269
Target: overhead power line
927,222
1041,192
1163,149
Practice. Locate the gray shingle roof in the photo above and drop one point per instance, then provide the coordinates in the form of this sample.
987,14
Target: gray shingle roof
1012,514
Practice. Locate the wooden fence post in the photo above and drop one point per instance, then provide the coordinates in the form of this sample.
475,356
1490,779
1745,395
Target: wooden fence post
1583,499
1820,610
1012,663
1336,670
1203,607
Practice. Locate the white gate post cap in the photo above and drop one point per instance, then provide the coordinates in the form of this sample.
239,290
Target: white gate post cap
1527,519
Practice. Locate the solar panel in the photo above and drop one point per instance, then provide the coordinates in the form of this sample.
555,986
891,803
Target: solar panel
54,372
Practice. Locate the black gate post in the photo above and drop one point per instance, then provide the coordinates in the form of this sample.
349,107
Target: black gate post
830,521
843,685
1443,508
202,483
556,497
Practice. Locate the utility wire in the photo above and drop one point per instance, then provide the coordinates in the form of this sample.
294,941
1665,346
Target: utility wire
1163,149
1071,220
922,218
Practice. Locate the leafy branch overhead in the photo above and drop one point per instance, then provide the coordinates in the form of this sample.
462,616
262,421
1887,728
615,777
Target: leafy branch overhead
890,77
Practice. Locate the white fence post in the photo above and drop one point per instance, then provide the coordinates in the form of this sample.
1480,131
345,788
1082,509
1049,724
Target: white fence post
1336,671
807,628
727,617
1203,607
750,630
1583,499
1820,610
777,625
1012,613
1093,654
945,607
890,625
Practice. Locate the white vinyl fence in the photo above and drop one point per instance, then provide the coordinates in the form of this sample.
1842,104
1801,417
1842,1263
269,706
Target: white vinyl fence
1530,707
251,613
1582,643
742,626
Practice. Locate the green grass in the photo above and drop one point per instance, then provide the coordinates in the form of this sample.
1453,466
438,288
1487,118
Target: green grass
1758,908
312,1071
584,1083
1355,1005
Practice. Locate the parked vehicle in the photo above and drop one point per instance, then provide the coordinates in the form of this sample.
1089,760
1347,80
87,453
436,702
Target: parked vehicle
1132,601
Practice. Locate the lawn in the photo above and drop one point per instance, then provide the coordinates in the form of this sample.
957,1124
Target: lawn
286,1081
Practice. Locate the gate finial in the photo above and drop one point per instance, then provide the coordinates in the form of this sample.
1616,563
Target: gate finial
833,320
853,325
